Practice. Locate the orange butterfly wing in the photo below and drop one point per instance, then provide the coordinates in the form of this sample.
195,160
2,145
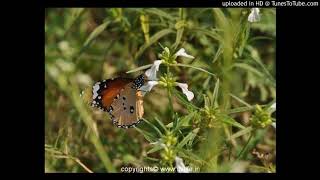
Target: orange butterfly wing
104,92
121,98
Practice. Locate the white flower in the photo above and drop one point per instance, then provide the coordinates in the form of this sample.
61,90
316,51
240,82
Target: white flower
147,87
274,125
184,88
182,52
254,15
152,72
181,168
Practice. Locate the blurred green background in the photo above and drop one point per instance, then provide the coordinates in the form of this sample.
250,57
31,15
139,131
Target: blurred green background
221,130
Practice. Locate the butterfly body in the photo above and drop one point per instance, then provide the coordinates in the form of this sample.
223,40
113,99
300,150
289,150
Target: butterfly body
121,98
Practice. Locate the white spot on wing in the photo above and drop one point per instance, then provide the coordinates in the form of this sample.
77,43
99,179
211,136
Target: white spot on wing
96,88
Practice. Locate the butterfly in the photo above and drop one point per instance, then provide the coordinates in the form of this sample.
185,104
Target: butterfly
121,98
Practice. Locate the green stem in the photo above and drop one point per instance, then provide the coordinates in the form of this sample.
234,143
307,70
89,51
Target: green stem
170,95
244,148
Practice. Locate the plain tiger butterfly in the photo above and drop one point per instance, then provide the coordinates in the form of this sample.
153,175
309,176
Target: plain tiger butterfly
121,98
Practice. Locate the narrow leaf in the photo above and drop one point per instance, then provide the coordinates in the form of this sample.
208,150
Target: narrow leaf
247,67
153,39
140,68
231,121
160,13
241,133
190,66
189,137
240,100
155,149
153,126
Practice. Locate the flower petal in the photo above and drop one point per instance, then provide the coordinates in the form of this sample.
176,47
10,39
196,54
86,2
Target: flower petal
152,72
181,168
254,15
182,52
274,125
184,88
148,86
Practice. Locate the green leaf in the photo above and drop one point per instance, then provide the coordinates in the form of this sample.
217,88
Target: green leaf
151,159
180,27
156,148
256,38
241,133
207,102
188,138
153,39
161,124
218,53
247,67
231,121
215,92
178,38
244,35
153,126
266,72
160,13
75,14
149,137
140,68
184,121
240,109
185,154
95,33
214,35
240,100
190,66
